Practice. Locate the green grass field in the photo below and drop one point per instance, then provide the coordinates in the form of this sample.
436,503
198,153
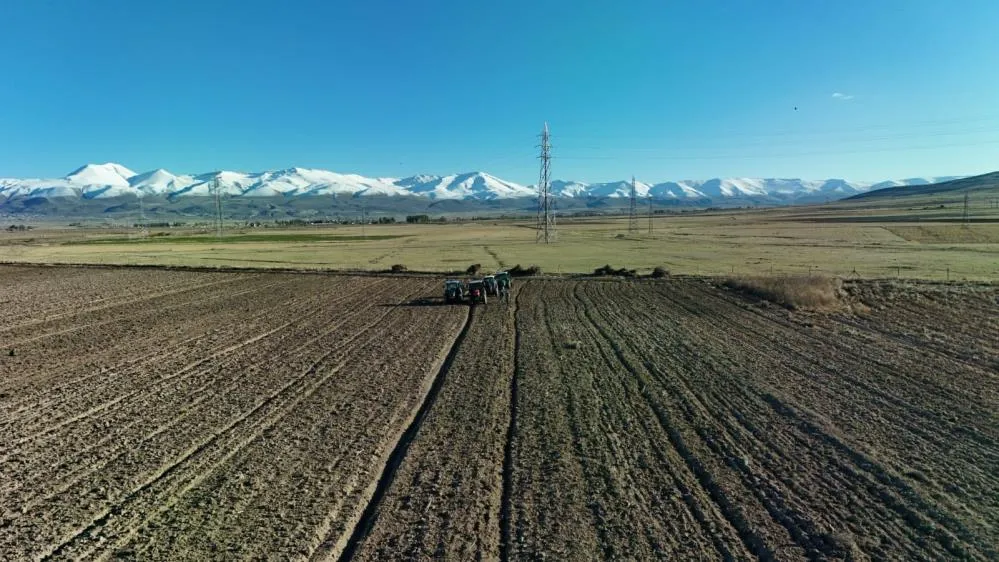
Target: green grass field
915,239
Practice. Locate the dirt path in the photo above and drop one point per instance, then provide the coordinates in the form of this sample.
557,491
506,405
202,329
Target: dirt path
445,501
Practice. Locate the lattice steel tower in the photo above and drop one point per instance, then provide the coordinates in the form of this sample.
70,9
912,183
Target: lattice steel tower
546,202
633,212
143,223
218,206
649,197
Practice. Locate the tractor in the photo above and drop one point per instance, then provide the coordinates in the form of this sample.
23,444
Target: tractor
492,286
454,291
503,283
477,291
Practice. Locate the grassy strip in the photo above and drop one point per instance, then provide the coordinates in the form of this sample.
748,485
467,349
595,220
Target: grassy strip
236,239
794,292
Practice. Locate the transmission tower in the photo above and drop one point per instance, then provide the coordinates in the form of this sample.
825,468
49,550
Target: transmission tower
633,212
650,212
143,223
964,218
217,189
546,202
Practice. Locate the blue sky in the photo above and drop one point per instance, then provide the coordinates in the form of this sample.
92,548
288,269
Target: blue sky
658,89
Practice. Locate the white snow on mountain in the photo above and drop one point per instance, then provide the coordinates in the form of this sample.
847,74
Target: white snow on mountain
562,188
159,181
101,174
110,179
474,185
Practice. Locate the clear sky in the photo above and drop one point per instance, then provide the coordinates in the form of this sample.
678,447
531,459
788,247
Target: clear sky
660,89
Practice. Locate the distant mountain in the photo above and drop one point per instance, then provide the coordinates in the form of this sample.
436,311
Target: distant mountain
96,181
101,174
917,186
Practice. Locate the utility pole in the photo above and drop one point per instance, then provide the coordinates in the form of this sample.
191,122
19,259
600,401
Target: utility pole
633,210
363,220
218,207
546,202
143,223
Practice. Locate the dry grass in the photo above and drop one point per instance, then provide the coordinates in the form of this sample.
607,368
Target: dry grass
770,242
795,292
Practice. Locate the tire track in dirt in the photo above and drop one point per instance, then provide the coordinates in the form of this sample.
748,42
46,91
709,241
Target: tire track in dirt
880,494
194,464
35,293
73,393
506,498
118,304
348,548
851,482
191,408
731,510
640,420
637,499
914,426
333,469
303,310
446,498
26,380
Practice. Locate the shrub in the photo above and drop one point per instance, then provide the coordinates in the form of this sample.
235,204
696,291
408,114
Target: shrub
518,271
607,270
807,292
660,272
398,268
473,269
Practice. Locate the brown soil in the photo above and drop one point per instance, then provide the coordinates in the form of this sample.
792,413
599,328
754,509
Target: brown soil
242,416
182,415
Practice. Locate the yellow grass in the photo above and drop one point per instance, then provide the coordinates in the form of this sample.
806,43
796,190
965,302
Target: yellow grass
801,291
790,241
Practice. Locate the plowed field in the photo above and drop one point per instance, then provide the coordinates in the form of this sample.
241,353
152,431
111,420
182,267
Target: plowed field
179,415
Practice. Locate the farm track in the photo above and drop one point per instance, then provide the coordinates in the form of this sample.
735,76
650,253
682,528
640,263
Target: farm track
591,473
814,389
131,416
327,427
900,411
170,422
177,415
445,500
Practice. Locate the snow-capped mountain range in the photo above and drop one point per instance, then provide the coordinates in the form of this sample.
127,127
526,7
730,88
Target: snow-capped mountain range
111,180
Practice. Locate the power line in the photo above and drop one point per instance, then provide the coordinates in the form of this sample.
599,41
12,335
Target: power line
730,133
785,155
791,141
